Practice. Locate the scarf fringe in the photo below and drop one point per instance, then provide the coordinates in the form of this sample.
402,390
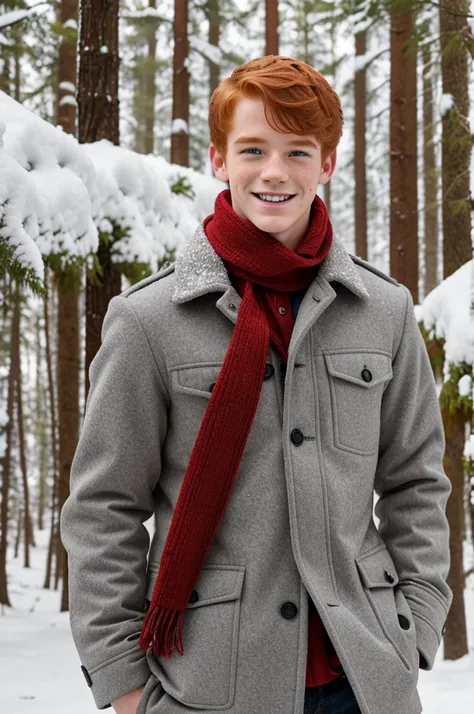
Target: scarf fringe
162,630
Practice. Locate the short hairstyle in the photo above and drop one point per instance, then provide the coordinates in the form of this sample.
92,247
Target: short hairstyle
297,99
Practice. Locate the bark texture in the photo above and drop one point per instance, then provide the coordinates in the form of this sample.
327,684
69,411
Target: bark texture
150,84
403,151
98,103
456,137
68,399
457,250
455,636
67,60
430,180
213,39
271,27
180,137
360,152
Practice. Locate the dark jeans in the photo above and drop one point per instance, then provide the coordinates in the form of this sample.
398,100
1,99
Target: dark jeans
335,697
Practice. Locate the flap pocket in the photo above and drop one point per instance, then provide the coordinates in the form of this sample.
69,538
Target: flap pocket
362,367
377,569
196,379
216,583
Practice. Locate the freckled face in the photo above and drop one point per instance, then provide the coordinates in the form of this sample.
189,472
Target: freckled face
261,162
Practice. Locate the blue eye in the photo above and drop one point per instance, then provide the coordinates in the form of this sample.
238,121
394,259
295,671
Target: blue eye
303,153
246,150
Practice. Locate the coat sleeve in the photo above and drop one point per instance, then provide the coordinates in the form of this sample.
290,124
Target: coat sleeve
413,489
115,469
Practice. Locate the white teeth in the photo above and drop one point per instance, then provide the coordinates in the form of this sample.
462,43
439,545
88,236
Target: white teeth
273,199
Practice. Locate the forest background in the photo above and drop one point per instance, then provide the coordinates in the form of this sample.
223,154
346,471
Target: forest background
104,174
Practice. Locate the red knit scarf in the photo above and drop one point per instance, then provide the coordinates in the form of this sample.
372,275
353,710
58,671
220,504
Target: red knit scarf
261,265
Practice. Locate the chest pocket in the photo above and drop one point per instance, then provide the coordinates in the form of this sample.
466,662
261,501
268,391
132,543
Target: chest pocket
198,379
357,379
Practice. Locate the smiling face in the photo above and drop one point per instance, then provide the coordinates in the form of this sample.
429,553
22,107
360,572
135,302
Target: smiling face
264,166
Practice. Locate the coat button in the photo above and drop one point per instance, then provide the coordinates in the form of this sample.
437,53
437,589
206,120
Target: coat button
194,597
269,371
404,622
389,577
297,437
86,675
289,610
282,310
366,375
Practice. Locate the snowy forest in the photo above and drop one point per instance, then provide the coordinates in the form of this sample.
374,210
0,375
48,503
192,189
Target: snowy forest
104,176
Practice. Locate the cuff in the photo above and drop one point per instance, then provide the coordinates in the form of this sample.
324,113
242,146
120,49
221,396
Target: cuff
117,677
429,614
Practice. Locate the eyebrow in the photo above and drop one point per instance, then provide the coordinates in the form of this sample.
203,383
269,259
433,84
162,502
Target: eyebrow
259,140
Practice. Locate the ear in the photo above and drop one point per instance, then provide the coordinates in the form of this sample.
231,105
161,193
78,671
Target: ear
218,164
328,167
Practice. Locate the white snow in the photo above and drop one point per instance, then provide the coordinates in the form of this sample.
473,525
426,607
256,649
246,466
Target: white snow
210,52
445,313
67,87
56,194
41,669
178,125
446,103
11,18
104,50
68,99
465,385
70,24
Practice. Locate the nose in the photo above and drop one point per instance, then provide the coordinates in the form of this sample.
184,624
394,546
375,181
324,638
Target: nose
274,170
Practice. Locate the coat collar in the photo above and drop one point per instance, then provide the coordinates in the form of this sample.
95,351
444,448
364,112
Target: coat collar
199,270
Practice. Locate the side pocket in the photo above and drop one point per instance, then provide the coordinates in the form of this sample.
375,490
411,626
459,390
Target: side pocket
380,580
204,677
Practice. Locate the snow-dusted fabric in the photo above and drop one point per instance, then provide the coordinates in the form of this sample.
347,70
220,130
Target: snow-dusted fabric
264,265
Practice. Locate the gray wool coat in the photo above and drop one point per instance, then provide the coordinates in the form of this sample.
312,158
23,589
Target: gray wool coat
355,412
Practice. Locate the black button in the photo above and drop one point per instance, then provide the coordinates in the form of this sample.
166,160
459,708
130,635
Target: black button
366,375
86,675
194,597
297,437
389,577
289,610
269,371
211,387
403,622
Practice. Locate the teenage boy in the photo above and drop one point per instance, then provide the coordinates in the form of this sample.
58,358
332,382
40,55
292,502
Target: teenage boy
252,396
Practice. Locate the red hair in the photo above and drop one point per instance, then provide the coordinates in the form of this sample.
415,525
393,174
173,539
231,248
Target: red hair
297,100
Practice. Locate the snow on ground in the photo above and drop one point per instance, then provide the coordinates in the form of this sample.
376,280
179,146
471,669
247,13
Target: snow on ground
40,669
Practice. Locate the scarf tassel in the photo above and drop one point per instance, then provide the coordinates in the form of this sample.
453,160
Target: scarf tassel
162,630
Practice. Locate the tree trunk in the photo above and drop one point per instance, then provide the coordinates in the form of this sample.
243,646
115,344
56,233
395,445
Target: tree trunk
69,286
52,406
180,133
360,152
98,110
97,97
456,137
430,179
213,39
21,445
12,382
455,637
41,437
403,152
97,301
327,197
150,84
18,533
67,57
271,27
457,250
